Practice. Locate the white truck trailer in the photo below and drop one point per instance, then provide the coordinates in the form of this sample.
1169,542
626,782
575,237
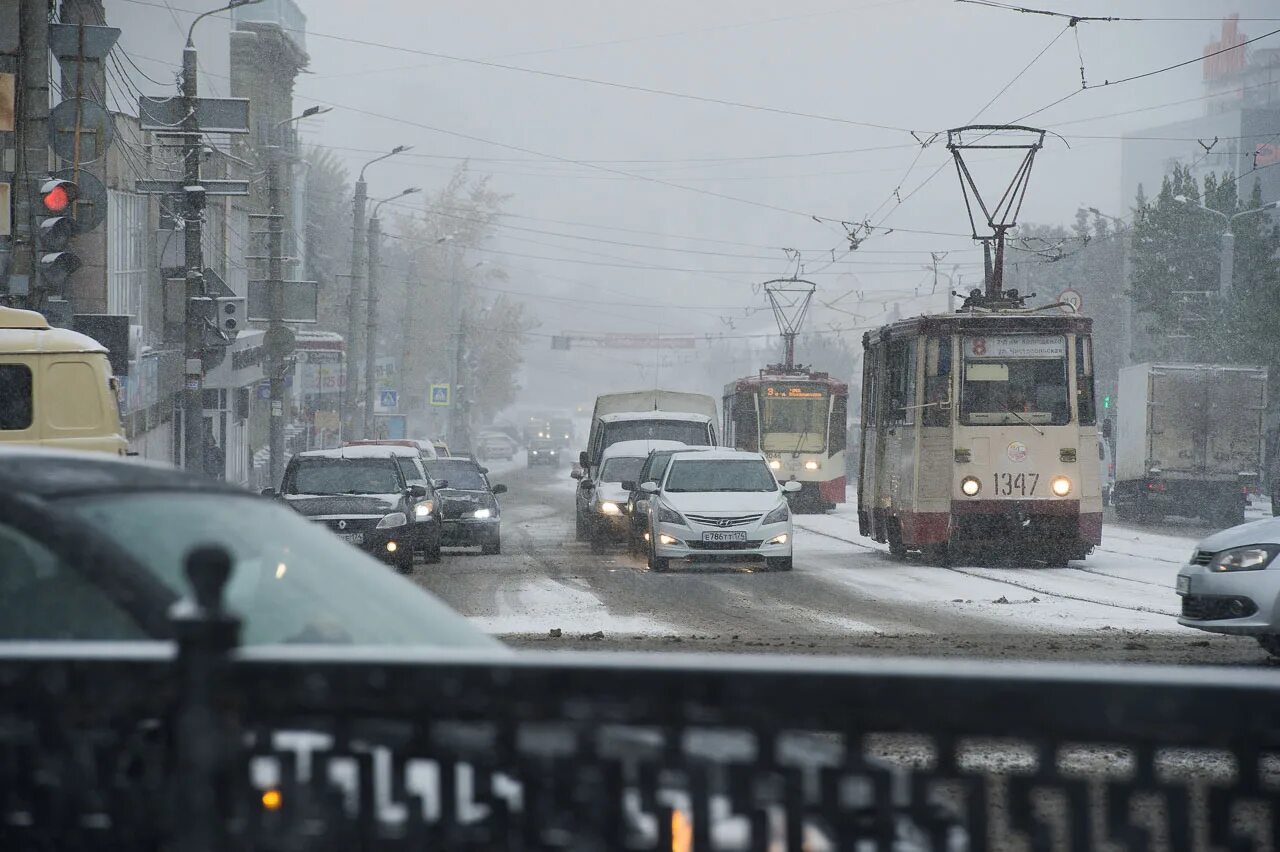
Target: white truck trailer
1189,441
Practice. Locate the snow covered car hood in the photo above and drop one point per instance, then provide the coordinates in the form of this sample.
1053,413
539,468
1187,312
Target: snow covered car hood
725,502
318,505
1266,531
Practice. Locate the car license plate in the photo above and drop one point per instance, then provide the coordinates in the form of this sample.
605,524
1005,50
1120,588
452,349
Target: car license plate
352,538
1184,585
724,536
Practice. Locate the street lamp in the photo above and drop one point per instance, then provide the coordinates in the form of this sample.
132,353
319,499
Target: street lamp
371,318
353,302
1227,257
234,4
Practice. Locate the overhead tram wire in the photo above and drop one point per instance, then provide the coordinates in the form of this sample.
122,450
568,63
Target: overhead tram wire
1089,19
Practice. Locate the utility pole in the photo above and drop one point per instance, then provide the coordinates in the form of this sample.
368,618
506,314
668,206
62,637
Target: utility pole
458,436
276,359
459,343
192,212
371,324
32,141
350,397
406,350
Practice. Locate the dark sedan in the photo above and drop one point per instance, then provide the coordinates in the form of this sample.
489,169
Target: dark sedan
93,548
472,516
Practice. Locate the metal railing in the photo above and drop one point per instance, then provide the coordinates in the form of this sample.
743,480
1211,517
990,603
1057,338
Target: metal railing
214,747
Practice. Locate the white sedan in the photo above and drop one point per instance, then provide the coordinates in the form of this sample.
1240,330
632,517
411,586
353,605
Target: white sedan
719,506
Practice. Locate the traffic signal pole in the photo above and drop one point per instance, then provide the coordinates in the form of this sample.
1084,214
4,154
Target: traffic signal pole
371,324
350,396
275,359
193,343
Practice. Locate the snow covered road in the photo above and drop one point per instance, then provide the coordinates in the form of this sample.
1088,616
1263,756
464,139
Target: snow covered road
845,595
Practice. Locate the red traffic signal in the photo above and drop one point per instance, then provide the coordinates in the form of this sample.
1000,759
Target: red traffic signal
57,195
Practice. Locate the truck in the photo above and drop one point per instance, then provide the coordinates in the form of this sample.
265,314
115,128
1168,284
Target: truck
1189,441
653,415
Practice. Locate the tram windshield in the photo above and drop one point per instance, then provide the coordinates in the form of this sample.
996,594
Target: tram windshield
793,418
1015,379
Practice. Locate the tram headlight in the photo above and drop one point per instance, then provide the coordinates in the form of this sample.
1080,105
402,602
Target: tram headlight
811,465
970,485
1060,486
775,464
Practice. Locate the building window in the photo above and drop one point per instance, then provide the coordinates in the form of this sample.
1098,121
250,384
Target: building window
126,253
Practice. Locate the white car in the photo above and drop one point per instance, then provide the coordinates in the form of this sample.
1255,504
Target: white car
719,506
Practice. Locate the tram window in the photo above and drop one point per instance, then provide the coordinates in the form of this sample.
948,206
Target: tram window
869,386
1085,404
839,430
902,381
937,382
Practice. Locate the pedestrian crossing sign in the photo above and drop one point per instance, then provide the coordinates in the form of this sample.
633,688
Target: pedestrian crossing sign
440,394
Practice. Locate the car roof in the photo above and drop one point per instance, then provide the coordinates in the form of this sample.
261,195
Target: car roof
640,448
654,415
720,454
370,451
62,473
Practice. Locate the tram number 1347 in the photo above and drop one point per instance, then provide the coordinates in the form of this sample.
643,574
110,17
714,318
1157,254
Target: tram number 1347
1016,484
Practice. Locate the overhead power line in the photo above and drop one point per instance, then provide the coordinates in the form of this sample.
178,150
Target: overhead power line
1009,7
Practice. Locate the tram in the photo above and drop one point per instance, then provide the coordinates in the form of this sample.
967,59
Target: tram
979,435
798,418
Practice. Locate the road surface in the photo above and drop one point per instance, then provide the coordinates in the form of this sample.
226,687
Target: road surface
845,596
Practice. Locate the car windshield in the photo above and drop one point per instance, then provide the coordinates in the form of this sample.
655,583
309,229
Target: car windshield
324,475
621,469
793,419
291,581
688,475
461,475
685,431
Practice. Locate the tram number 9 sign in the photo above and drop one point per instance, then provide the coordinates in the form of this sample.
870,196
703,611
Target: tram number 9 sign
1016,346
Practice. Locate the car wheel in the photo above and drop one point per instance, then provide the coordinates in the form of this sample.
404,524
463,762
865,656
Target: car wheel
1270,643
432,553
657,563
493,546
404,562
598,542
778,563
897,549
580,527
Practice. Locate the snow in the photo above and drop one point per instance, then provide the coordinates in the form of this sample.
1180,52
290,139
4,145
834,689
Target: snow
542,604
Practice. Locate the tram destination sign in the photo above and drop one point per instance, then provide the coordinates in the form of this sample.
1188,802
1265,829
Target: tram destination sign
1016,346
794,392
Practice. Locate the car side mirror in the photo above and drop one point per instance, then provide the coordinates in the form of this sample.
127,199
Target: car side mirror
791,487
270,492
439,483
583,460
417,491
628,485
649,487
485,471
577,474
499,489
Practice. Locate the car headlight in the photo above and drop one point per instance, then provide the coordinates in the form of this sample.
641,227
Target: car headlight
778,539
395,519
1252,558
811,465
608,507
533,452
422,511
775,464
668,515
777,516
482,513
1060,486
970,486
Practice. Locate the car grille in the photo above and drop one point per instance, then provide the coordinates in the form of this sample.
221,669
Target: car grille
454,509
353,525
1201,557
723,545
724,520
1215,607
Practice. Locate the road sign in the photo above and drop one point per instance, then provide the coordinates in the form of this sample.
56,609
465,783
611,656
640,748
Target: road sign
81,41
177,187
440,394
213,115
86,119
388,400
214,285
1071,301
301,301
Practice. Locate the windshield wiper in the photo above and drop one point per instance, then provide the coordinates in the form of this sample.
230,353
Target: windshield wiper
1024,420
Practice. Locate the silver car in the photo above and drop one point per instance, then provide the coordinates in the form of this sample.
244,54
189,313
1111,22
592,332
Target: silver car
1232,584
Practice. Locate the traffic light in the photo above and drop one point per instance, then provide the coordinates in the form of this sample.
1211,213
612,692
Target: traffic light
1106,402
229,315
57,227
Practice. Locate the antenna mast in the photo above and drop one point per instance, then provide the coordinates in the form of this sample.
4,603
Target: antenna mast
1000,217
789,298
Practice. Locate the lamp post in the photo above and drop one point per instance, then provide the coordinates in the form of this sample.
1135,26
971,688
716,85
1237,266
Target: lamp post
353,299
1227,256
280,347
371,318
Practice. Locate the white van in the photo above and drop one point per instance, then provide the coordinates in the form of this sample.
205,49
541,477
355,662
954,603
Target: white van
56,387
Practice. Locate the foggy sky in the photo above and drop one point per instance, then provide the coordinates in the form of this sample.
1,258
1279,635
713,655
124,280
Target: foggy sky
919,64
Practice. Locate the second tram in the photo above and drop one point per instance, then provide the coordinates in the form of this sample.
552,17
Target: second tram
979,435
799,420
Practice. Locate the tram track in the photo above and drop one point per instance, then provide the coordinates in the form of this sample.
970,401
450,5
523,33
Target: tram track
978,574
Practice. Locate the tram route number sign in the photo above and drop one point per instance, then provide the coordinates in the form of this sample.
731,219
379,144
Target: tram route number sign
793,392
1016,346
1070,301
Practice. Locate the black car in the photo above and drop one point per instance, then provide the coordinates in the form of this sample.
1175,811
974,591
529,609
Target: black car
93,548
638,500
544,452
375,497
472,516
